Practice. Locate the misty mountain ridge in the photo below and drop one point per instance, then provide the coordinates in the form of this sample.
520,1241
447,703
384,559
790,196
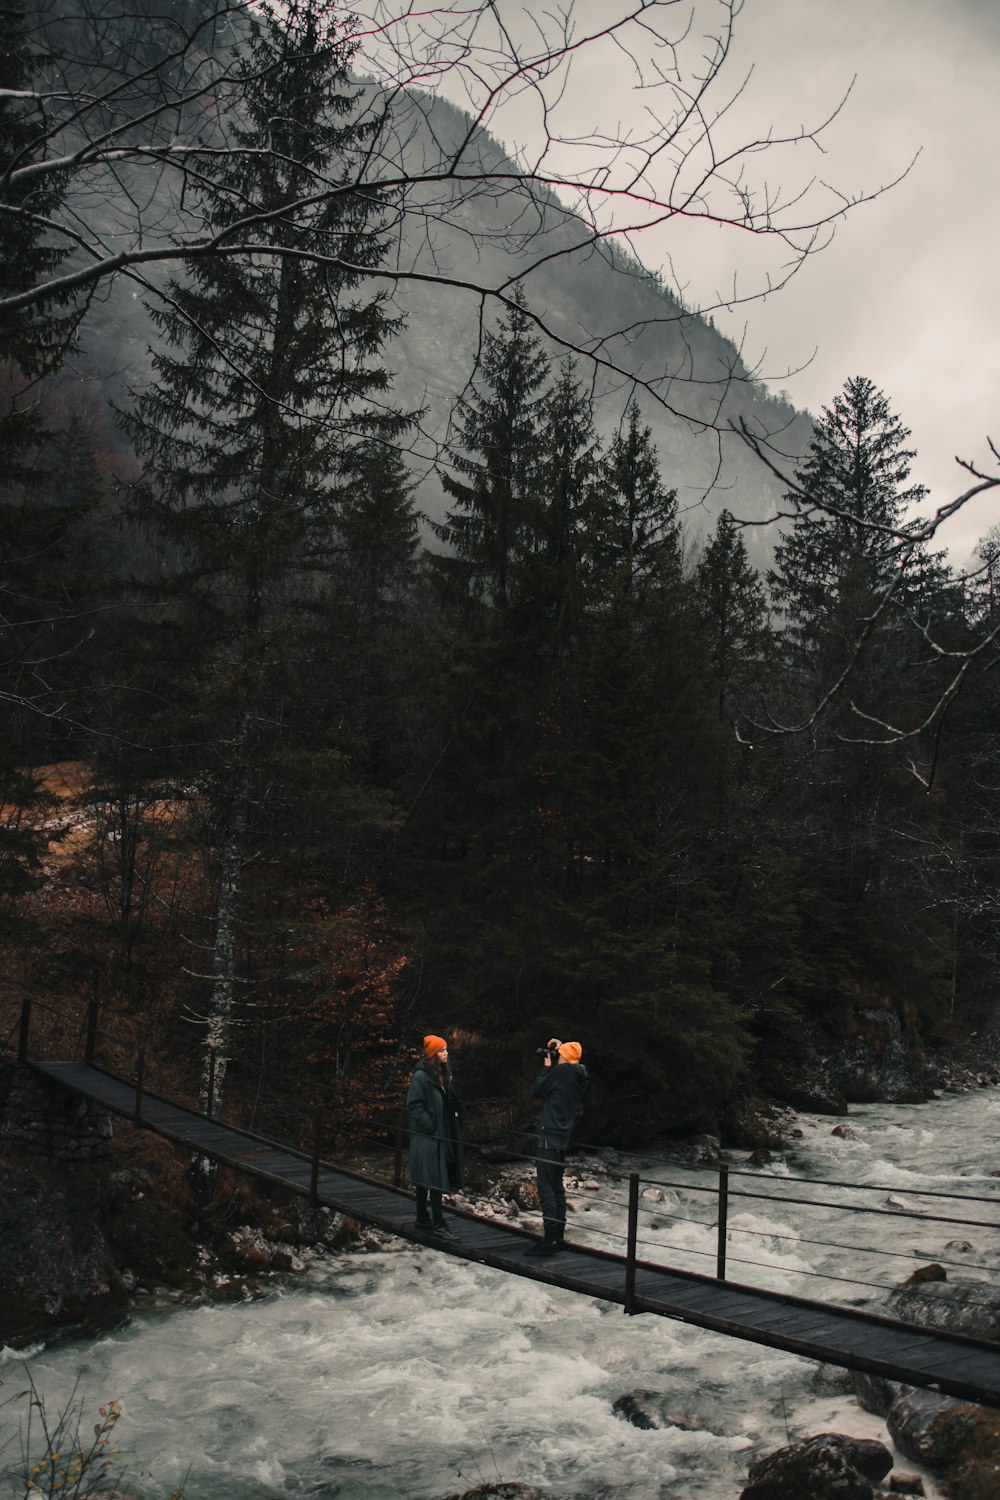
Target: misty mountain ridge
594,298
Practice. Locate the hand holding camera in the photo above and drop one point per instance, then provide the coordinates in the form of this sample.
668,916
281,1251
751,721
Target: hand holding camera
550,1052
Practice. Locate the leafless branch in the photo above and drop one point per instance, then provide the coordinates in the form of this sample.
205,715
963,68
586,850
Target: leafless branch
110,119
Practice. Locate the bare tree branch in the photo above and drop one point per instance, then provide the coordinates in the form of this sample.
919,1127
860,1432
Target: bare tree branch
111,118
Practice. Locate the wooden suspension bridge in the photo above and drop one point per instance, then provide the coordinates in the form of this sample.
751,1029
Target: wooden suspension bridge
954,1364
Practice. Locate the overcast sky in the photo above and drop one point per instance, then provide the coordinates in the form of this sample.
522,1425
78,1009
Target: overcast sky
908,293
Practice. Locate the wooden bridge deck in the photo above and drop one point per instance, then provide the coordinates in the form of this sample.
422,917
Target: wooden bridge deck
954,1364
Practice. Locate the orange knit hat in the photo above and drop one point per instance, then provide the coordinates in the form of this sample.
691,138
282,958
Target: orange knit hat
433,1045
570,1052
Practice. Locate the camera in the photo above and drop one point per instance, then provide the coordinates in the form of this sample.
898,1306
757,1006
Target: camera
552,1052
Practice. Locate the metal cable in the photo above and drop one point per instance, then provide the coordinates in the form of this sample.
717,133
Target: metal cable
802,1239
870,1187
892,1213
889,1213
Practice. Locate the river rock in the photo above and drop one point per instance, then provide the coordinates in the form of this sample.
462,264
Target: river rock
827,1467
702,1149
526,1194
503,1490
874,1393
753,1123
922,1274
149,1238
649,1410
831,1380
929,1428
960,1306
906,1484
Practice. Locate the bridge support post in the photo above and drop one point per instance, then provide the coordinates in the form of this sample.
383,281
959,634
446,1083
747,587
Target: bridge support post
140,1069
22,1036
633,1235
720,1252
90,1045
317,1143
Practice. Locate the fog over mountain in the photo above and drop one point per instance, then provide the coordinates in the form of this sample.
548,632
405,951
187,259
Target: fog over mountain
596,300
599,304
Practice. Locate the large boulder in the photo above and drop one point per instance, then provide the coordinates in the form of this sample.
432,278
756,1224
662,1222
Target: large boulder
802,1087
880,1058
930,1428
957,1439
753,1123
969,1307
827,1467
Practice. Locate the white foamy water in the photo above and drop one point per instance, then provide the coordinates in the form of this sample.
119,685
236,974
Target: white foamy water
408,1374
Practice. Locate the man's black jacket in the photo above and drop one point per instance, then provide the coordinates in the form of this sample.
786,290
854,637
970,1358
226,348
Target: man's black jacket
560,1089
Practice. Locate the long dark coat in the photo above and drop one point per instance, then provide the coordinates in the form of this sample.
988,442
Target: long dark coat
436,1144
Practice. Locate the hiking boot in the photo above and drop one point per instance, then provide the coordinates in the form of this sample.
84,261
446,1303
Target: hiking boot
445,1232
551,1242
543,1247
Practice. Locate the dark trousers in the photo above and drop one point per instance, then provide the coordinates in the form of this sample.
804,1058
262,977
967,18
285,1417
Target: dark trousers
549,1164
434,1195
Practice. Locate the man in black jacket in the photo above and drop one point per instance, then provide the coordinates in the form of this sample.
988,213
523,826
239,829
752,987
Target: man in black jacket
560,1085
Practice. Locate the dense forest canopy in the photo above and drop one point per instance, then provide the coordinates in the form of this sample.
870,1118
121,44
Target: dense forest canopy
559,756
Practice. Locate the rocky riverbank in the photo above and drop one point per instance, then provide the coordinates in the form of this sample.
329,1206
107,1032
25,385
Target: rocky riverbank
93,1221
81,1244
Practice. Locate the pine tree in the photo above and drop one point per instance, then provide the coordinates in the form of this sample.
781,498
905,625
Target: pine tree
493,525
637,539
734,607
373,608
270,379
624,918
568,484
847,544
852,585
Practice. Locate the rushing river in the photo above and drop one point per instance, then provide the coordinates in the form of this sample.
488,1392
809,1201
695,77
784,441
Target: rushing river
404,1373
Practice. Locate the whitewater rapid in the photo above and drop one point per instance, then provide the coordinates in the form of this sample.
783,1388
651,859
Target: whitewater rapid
403,1373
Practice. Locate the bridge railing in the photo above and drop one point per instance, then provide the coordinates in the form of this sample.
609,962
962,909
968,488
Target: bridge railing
871,1218
317,1118
717,1207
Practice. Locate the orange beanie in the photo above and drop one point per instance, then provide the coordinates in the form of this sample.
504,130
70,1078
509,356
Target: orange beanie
570,1052
433,1045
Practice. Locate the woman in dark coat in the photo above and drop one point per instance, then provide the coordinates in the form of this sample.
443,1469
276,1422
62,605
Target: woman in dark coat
436,1150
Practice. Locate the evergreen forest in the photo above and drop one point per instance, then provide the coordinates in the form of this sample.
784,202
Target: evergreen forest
292,773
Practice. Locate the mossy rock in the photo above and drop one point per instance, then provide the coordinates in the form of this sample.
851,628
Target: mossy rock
976,1475
26,1317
